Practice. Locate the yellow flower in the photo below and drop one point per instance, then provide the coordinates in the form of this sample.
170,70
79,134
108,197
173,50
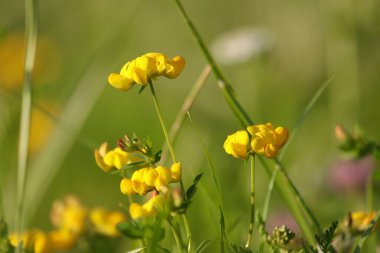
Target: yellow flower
105,222
267,140
361,220
107,160
176,171
150,208
236,144
144,68
69,215
34,240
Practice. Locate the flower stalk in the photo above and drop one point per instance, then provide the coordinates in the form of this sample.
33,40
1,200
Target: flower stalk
172,153
253,202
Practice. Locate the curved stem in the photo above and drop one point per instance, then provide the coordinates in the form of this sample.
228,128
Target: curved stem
177,236
253,202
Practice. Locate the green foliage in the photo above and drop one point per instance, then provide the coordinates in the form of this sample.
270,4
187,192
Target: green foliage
203,246
193,188
240,249
5,246
325,240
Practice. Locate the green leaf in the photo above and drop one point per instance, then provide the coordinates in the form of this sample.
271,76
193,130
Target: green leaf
193,188
203,246
131,230
142,88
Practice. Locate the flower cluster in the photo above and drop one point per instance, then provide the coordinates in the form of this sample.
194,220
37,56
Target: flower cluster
70,219
145,68
262,139
359,221
150,178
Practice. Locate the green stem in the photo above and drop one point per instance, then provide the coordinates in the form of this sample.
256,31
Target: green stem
253,202
31,23
176,234
171,149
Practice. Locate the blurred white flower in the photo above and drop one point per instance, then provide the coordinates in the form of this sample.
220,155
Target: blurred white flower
242,44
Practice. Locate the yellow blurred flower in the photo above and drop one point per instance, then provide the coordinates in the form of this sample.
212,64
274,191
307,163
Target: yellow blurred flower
41,125
12,50
34,240
150,178
115,158
61,240
267,140
237,144
145,68
105,222
69,215
149,209
361,220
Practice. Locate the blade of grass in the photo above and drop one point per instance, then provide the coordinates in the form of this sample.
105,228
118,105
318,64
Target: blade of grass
31,31
211,166
186,106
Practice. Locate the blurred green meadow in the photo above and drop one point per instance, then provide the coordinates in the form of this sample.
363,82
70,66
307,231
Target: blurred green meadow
298,46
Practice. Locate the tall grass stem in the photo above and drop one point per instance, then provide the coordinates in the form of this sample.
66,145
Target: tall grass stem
31,31
253,202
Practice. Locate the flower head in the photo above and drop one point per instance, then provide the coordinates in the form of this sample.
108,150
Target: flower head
115,158
145,68
150,208
237,144
267,140
264,140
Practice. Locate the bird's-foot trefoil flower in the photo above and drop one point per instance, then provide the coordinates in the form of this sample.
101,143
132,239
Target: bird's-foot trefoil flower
143,69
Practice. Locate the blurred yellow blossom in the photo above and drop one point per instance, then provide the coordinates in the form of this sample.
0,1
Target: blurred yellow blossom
360,220
267,140
144,68
105,222
12,50
149,209
69,215
236,144
150,178
41,125
34,240
61,240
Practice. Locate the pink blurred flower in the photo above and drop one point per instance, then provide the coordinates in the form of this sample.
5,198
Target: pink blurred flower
281,218
351,175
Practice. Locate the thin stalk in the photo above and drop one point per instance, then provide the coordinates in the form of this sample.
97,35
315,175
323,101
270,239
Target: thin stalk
31,23
211,166
176,234
186,106
253,202
172,153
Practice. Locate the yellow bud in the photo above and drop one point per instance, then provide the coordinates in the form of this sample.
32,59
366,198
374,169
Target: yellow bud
176,172
126,186
236,144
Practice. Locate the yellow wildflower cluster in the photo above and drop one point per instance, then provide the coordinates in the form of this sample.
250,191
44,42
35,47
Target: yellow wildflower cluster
109,159
69,218
149,209
150,178
262,139
144,68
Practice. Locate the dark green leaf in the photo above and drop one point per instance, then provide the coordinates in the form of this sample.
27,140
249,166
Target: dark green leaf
131,230
193,188
142,88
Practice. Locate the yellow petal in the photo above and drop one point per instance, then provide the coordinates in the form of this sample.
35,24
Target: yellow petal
126,187
175,67
120,82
